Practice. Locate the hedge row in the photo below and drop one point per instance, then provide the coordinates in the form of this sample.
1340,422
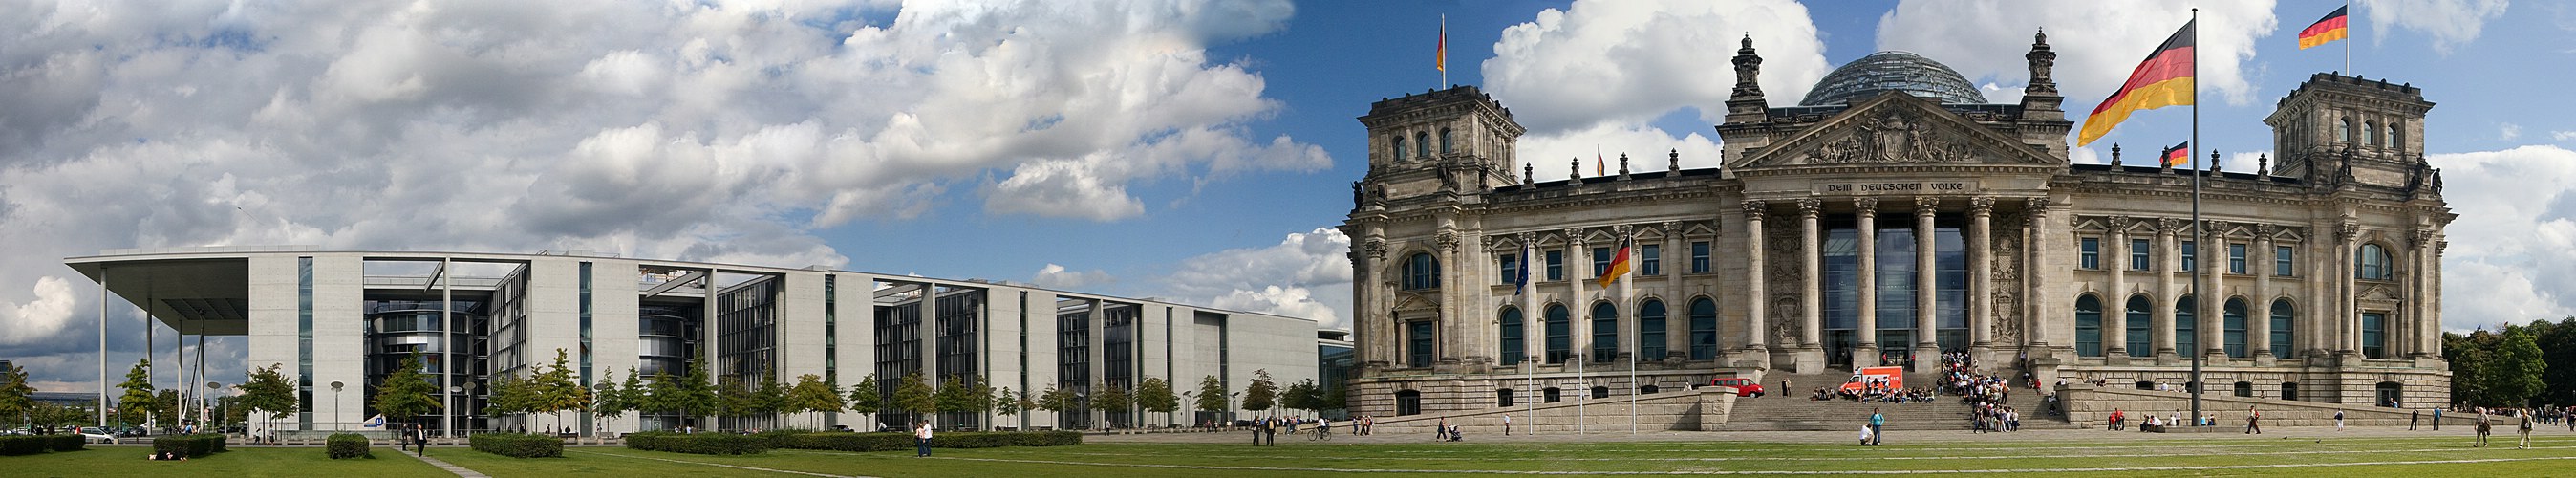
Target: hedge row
893,441
34,444
699,443
197,445
519,446
347,445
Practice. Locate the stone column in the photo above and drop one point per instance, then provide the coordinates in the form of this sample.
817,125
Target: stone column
1676,314
2161,333
1376,344
2212,296
2348,319
1578,307
1533,319
1865,354
2258,313
2419,301
1927,348
1754,297
1626,298
1981,259
2039,304
1811,301
2115,303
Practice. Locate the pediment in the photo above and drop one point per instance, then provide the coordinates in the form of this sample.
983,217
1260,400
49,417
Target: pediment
1896,128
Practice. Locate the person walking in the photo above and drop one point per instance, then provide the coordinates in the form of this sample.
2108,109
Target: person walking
1877,427
921,439
2437,419
2484,427
1441,432
2253,421
1256,433
2525,431
1507,424
1270,432
2338,420
420,440
2412,417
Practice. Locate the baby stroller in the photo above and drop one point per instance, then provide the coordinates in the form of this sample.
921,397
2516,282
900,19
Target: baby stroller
1453,434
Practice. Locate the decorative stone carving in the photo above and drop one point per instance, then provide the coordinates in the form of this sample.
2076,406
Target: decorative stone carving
2042,64
1926,205
1894,136
1809,208
1447,241
1866,206
1672,228
1785,318
1981,205
2036,206
2006,328
1376,248
1675,166
2007,258
2349,230
1753,210
2169,226
1748,67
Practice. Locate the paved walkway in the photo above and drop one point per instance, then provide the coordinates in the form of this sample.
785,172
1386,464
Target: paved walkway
443,465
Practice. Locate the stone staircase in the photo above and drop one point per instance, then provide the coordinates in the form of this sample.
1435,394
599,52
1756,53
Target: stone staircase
1792,411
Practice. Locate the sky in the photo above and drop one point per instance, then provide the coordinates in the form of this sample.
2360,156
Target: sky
1199,152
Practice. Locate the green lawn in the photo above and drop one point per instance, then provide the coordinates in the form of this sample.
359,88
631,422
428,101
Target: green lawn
241,462
2236,457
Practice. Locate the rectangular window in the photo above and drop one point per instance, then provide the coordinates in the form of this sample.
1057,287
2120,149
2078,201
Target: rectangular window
1417,344
1699,257
2284,261
2374,329
1600,261
2236,258
1511,268
2190,256
1555,265
2092,252
2139,255
304,341
1651,260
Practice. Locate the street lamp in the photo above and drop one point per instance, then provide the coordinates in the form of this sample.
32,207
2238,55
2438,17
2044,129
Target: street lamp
448,428
335,405
211,388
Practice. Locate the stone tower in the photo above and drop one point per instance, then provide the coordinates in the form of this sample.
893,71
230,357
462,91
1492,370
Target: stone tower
1437,144
2336,130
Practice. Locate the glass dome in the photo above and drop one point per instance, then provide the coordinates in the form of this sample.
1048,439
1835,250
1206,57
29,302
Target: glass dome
1871,75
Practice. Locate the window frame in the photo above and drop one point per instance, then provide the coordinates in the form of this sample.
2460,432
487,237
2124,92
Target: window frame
2189,252
2090,249
1555,264
1510,266
2237,257
2142,255
1513,335
1601,261
2285,261
1650,260
1700,256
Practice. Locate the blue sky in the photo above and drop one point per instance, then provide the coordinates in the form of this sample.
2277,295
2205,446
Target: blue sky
1195,151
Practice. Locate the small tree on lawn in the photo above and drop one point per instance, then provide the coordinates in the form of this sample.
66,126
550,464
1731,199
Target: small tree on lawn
556,389
406,393
867,400
1111,398
1262,394
16,397
1155,395
913,397
769,399
1007,403
610,400
813,395
1211,396
1055,400
980,399
954,396
694,392
139,397
1302,396
269,392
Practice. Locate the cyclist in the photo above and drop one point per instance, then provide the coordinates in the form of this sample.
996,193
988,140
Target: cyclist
1324,428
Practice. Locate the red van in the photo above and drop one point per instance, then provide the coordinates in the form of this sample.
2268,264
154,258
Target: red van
1744,387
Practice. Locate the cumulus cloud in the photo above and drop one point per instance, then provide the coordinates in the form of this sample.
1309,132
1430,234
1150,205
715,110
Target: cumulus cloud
2553,135
2449,22
1305,275
2515,233
1648,149
2097,43
2508,131
1632,61
1058,277
714,131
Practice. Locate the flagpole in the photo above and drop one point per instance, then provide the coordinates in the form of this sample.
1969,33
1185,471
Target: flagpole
2199,233
2347,45
1444,51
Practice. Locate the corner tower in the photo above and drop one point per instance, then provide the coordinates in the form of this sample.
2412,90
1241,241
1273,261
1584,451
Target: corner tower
1445,143
2336,130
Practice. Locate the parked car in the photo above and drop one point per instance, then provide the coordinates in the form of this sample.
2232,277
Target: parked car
1744,387
96,435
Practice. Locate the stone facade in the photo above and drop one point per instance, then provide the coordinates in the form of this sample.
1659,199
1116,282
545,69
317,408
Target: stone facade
1773,260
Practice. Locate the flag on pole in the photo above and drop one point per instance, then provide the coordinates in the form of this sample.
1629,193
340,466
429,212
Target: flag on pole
2164,79
1618,265
1520,279
1598,167
2178,154
1440,54
2325,30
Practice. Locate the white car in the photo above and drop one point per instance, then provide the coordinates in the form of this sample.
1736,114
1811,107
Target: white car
94,435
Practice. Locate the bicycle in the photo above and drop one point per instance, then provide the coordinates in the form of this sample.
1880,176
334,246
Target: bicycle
1325,434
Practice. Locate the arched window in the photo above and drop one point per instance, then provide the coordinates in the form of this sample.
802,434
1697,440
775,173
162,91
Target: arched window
1515,346
1399,147
2088,326
2372,129
2395,140
1605,332
1446,147
1650,330
1422,145
2139,312
2282,316
2373,263
1421,271
1703,329
2232,325
2186,326
1557,328
2343,130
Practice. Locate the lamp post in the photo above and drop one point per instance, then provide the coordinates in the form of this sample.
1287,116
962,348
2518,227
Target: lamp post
1193,399
448,425
335,405
467,398
202,420
1229,405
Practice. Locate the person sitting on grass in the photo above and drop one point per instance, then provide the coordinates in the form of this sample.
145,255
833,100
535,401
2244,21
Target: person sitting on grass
166,456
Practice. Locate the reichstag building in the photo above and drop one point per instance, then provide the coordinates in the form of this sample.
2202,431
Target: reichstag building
1891,215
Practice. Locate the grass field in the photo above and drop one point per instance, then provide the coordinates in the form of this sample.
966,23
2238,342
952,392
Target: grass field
2218,455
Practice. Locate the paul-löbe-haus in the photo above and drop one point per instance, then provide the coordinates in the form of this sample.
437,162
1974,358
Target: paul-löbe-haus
1892,215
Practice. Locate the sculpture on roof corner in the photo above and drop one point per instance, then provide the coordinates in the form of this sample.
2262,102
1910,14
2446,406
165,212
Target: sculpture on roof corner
1748,67
2042,63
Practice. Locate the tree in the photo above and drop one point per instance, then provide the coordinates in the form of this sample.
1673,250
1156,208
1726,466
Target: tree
867,399
1301,396
1023,404
1155,395
2513,370
694,392
510,395
1262,394
1007,403
980,400
555,389
1336,398
770,398
165,407
954,396
2468,364
137,401
1055,400
406,393
813,395
611,400
270,392
733,398
1112,398
16,397
1211,395
912,396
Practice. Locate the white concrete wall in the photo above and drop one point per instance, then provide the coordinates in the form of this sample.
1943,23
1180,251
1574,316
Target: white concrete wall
855,323
800,341
339,351
613,328
1001,338
1042,354
1283,346
273,313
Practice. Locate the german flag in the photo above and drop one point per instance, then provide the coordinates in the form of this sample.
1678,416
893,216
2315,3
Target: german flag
1618,266
2178,155
2163,80
2324,30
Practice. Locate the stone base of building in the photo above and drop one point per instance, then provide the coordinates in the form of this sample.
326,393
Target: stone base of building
1661,411
1434,394
2090,407
2417,383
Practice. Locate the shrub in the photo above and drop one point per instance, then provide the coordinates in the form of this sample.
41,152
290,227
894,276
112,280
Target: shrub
700,443
347,445
68,442
25,445
197,445
780,438
866,442
519,445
